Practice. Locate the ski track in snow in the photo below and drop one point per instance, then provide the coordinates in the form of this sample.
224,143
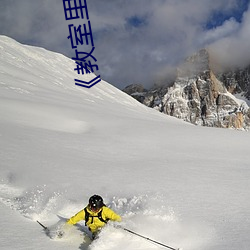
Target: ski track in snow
145,214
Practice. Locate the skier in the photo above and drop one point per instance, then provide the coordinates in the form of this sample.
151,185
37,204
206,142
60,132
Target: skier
95,214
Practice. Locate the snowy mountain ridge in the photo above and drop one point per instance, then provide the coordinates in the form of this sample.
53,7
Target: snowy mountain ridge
182,185
23,67
17,59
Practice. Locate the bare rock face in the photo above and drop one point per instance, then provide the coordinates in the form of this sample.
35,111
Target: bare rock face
203,98
197,96
237,81
137,91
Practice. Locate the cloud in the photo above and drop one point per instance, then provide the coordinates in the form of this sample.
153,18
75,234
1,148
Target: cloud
228,28
170,31
136,41
34,22
233,49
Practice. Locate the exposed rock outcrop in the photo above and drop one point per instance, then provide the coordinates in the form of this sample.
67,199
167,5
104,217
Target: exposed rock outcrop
201,97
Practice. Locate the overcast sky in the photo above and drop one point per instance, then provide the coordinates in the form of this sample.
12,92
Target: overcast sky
136,41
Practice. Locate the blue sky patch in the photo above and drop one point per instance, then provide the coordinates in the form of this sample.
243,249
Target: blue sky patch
219,17
136,21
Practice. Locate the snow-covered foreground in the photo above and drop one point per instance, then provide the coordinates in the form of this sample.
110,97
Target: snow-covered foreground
178,184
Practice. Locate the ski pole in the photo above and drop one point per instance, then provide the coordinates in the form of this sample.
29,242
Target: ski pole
45,228
146,238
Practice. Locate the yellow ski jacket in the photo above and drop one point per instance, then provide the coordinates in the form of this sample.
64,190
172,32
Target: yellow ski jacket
94,223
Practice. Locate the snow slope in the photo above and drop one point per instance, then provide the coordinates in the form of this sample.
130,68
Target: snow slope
176,183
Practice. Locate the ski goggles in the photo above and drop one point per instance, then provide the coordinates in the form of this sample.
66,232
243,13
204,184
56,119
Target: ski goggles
94,208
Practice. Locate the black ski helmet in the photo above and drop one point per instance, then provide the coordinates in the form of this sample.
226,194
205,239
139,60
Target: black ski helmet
96,202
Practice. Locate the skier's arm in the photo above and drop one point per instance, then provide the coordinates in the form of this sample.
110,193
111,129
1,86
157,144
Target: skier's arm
77,217
110,214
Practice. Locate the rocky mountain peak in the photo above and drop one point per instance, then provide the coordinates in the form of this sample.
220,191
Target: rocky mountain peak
196,64
202,97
